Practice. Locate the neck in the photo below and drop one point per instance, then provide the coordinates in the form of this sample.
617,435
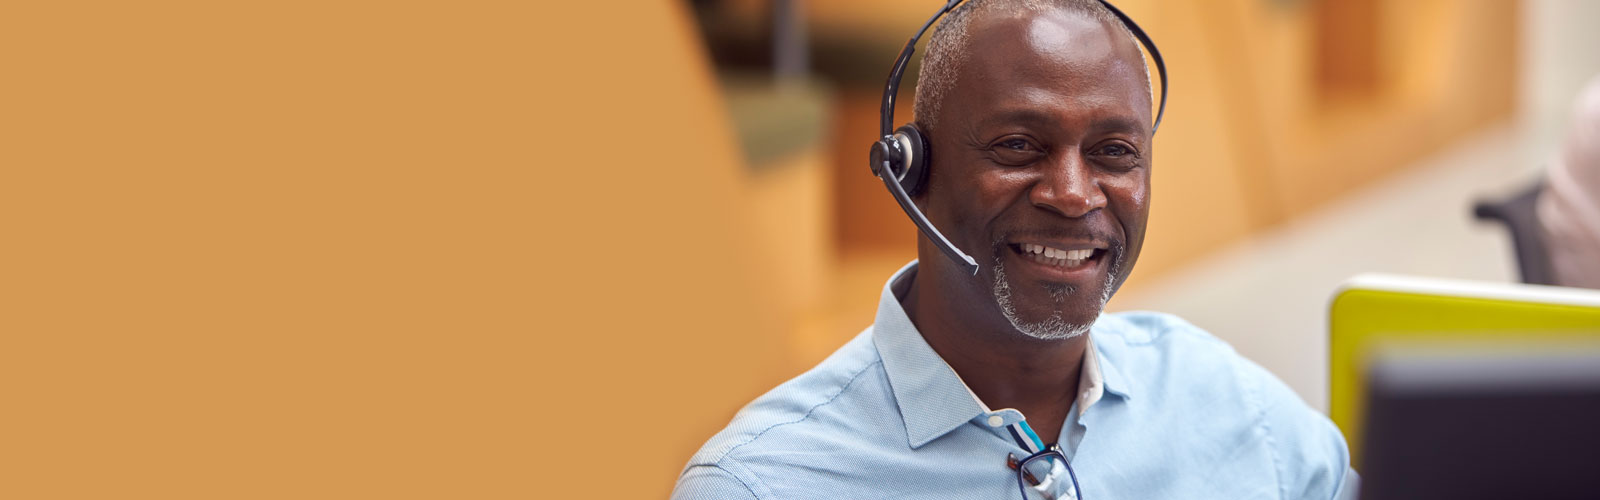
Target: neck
1004,367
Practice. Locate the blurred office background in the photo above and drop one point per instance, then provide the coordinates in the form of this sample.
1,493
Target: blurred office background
1305,142
502,249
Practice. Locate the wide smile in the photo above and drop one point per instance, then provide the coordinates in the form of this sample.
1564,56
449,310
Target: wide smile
1061,262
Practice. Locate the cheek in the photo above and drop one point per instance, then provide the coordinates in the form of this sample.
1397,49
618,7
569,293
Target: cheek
1129,198
982,194
1139,193
999,187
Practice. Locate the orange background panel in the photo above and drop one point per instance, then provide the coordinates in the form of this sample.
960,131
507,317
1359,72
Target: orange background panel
366,250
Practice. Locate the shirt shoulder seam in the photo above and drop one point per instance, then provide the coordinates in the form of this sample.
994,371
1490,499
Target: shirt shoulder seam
1253,388
730,473
729,452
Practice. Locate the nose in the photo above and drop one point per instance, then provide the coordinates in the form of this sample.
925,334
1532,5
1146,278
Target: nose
1068,187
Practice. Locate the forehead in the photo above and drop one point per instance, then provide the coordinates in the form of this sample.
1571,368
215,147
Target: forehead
1051,61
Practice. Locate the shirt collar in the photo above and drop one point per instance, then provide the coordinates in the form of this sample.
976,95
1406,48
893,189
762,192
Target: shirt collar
932,398
1091,382
1107,346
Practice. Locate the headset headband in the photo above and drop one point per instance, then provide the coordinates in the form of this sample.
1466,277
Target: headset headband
892,87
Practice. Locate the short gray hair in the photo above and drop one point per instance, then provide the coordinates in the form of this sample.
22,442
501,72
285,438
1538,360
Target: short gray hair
947,46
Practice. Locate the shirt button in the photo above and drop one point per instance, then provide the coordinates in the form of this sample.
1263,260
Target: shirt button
996,421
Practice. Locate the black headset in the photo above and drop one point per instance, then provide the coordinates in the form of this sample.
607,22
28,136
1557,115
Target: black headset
900,158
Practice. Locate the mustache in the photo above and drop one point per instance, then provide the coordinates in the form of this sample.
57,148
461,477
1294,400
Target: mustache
1109,238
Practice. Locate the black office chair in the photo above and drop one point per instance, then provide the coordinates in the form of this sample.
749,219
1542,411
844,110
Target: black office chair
1520,215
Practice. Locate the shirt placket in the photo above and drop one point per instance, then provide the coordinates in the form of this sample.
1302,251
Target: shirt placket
1012,426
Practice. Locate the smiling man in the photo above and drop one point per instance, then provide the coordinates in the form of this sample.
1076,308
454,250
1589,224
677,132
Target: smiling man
1013,382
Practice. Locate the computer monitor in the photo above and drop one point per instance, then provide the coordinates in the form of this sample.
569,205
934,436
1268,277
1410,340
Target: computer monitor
1373,310
1445,421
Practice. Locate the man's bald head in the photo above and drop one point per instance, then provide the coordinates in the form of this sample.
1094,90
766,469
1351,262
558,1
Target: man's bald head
948,46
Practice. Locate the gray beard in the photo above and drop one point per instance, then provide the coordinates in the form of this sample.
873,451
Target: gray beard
1053,327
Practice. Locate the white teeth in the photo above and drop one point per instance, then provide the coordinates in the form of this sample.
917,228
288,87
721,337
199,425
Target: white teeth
1056,257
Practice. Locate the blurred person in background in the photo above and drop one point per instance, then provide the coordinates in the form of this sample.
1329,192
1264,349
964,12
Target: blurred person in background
1569,207
1015,382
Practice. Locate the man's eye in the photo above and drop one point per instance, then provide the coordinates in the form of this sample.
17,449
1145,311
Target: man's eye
1016,152
1115,150
1017,145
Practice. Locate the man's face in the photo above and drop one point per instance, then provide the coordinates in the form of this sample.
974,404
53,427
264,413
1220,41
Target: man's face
1041,170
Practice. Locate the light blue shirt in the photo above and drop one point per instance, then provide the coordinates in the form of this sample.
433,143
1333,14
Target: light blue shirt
1176,413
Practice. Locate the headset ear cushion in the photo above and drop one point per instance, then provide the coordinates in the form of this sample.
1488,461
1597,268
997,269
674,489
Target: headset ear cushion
917,163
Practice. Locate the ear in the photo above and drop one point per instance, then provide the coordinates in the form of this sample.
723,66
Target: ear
917,158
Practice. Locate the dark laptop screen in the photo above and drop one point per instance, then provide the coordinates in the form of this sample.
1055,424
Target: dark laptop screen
1518,426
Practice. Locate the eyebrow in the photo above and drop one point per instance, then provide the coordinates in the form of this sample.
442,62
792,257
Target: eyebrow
1118,124
1020,115
1030,116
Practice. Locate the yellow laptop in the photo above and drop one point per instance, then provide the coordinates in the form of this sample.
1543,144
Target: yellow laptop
1371,311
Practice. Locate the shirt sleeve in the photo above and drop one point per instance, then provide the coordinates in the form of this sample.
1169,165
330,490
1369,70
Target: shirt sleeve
1309,452
709,482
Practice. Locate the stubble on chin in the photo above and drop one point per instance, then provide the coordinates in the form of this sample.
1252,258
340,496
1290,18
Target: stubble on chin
1054,327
